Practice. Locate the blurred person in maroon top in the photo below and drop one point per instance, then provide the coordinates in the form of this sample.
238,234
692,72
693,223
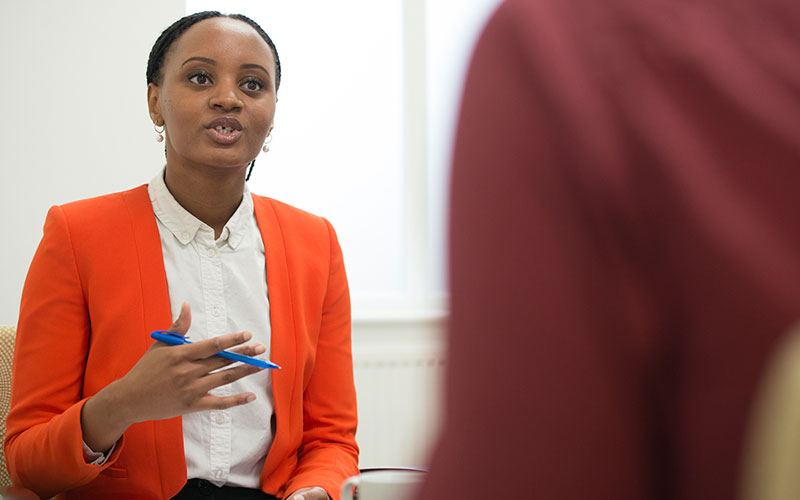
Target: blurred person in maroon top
625,247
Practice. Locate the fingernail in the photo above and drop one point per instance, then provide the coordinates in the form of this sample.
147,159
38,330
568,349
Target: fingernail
247,336
250,399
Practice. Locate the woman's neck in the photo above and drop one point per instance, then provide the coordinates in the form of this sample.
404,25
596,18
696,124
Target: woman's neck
211,195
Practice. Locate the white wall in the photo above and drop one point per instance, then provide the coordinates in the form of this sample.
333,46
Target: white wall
74,115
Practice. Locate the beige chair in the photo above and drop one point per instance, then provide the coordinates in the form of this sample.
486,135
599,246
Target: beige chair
8,491
7,337
772,453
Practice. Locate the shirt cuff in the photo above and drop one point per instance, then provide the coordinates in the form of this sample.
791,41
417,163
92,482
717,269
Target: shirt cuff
96,457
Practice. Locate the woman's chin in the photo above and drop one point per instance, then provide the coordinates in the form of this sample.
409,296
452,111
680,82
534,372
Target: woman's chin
222,164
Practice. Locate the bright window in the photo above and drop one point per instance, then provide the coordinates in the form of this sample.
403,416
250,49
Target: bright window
363,128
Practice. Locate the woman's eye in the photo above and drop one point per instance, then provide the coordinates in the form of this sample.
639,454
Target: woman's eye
252,85
200,79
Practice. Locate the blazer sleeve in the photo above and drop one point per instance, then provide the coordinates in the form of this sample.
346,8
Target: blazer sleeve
328,453
44,441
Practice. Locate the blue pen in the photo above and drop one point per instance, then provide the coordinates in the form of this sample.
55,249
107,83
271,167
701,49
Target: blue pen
173,338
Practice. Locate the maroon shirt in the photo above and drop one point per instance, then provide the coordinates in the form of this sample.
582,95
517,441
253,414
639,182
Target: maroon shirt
625,247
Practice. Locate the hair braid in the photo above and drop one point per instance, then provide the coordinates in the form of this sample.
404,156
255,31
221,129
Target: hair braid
176,29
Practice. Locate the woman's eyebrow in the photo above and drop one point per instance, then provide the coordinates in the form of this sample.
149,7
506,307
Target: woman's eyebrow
212,61
201,59
255,66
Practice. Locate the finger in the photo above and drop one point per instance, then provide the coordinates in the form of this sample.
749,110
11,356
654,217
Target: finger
226,376
216,362
316,493
311,493
207,348
211,402
319,493
181,325
256,349
297,495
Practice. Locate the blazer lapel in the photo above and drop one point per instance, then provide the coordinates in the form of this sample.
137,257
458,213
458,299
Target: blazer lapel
156,315
283,348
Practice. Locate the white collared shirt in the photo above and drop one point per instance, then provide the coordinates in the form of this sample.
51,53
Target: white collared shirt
225,282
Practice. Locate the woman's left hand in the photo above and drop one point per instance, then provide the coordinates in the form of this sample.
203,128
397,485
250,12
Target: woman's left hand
313,493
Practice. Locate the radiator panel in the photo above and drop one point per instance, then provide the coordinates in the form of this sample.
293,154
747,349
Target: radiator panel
399,397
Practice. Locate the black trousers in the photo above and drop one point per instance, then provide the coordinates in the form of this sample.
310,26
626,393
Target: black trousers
200,489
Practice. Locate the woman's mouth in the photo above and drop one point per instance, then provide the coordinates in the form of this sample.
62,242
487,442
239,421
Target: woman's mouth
225,130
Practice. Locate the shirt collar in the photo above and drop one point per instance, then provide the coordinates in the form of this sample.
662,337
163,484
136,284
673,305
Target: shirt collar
184,226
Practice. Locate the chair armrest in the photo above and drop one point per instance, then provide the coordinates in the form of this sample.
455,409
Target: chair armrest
17,493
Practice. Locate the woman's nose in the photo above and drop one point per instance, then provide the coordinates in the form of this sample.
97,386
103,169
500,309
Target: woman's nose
226,97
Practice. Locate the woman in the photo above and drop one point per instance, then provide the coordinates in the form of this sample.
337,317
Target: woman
115,415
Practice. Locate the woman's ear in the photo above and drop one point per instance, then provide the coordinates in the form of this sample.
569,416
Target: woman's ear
154,103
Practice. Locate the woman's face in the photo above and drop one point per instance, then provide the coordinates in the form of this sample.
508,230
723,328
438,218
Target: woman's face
217,96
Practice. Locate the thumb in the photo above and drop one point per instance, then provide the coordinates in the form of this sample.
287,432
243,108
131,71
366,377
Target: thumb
181,325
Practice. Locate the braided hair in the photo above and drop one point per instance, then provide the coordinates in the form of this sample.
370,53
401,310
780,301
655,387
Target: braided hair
176,29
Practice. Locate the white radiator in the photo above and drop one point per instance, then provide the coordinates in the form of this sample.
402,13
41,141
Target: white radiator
399,399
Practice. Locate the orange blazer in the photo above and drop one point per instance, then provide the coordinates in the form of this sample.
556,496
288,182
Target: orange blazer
95,290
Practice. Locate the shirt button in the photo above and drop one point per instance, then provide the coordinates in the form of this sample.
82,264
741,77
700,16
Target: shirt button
218,474
184,235
215,311
220,419
211,252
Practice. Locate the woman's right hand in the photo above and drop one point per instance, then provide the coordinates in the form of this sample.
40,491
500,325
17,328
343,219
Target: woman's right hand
166,382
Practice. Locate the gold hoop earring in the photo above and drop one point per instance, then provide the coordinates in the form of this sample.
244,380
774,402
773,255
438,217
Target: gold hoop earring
266,143
160,133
